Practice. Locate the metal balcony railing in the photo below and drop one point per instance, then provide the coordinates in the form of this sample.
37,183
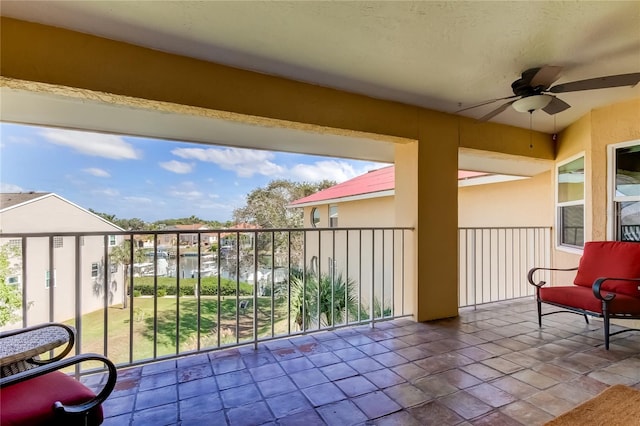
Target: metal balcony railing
493,262
149,295
173,293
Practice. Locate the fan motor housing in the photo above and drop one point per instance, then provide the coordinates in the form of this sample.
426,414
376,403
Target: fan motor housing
522,86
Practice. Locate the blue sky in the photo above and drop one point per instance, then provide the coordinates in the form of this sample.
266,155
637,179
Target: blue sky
148,178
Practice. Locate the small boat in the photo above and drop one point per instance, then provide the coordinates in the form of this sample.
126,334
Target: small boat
207,269
146,269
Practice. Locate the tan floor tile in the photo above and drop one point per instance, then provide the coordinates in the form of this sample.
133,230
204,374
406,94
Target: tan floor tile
491,395
435,386
628,368
526,413
482,371
534,378
570,393
514,387
605,376
549,403
502,365
555,372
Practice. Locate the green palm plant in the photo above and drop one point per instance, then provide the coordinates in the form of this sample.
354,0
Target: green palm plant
121,254
378,312
320,301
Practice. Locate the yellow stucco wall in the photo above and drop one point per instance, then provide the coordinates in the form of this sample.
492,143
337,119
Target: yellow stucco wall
526,202
372,212
592,134
610,125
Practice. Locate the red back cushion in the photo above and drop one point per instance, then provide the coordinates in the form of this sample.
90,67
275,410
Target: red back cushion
614,259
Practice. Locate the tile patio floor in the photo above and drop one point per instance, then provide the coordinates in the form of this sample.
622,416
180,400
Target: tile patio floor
490,366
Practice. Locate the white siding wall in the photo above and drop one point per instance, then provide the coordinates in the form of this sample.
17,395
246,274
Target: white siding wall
53,214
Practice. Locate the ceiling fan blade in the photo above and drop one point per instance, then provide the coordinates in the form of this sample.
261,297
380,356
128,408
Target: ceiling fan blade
555,106
545,76
496,111
486,103
598,83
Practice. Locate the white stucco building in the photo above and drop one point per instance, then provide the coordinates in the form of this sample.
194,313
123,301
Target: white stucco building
62,271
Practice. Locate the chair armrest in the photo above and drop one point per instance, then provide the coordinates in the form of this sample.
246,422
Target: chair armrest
597,287
541,283
57,365
71,337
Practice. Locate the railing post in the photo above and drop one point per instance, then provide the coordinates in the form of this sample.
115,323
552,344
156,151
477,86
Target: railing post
373,273
255,291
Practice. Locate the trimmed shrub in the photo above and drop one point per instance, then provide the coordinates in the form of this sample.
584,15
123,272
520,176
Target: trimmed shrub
208,286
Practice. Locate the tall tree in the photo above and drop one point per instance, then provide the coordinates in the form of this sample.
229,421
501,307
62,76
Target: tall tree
267,207
10,295
121,254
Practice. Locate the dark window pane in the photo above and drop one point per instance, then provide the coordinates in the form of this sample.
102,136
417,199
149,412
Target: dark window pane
628,218
572,225
628,171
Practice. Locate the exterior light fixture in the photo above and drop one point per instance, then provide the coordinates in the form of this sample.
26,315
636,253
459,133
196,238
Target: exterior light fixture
532,103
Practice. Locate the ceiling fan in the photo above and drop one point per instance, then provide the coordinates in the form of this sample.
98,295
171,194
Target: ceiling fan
532,90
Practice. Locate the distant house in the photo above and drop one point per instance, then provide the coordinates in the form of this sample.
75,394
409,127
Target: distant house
48,213
192,239
369,201
366,200
228,239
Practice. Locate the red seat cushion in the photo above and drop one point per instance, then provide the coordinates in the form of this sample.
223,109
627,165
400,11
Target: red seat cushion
31,402
583,298
610,259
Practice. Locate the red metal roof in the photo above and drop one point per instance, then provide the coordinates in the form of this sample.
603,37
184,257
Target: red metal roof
374,181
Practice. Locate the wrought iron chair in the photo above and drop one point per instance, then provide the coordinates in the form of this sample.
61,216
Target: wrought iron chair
34,391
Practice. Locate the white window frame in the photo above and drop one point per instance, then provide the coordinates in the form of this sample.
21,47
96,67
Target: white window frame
612,199
558,205
312,214
113,241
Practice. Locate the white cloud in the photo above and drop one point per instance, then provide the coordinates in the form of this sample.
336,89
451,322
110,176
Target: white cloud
9,187
93,144
186,190
108,192
138,200
176,166
336,170
187,195
97,172
245,162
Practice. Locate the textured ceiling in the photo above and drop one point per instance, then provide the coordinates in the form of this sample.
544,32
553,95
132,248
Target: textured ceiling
440,55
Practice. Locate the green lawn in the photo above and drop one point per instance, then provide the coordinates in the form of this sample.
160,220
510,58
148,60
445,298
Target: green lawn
119,326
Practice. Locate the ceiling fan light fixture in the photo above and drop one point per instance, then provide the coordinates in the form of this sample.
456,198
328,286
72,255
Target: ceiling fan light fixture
532,103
